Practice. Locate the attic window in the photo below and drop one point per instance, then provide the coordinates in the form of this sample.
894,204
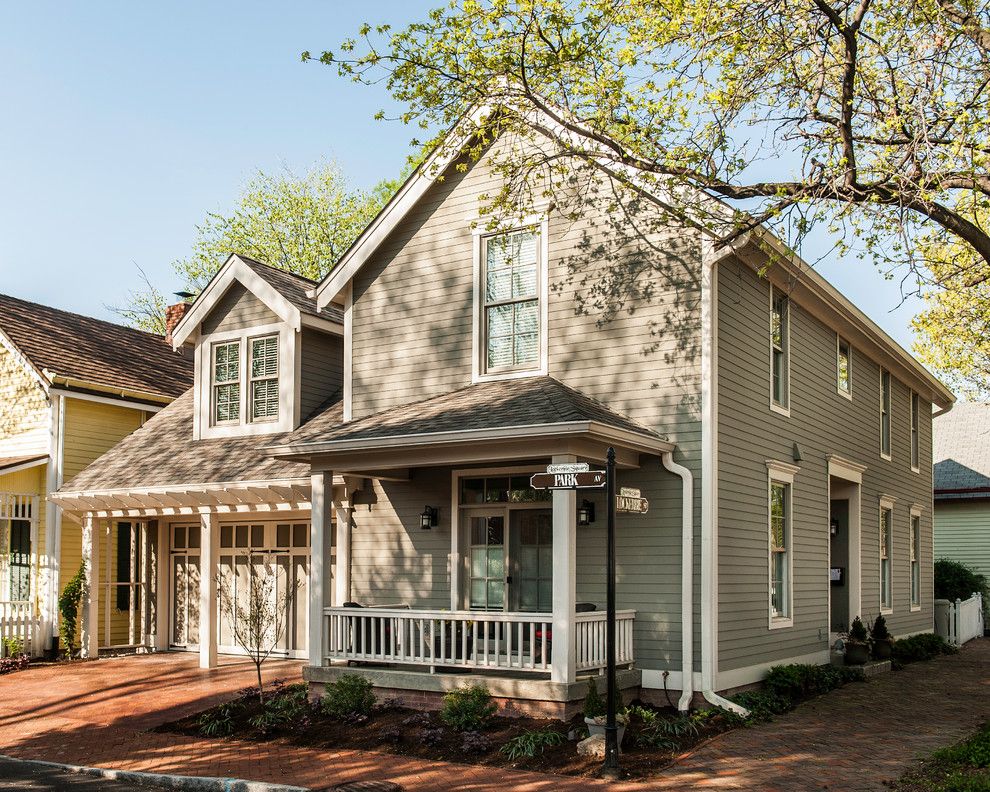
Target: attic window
511,301
226,382
264,378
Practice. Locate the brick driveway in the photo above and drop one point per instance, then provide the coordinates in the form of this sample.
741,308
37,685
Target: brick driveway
97,713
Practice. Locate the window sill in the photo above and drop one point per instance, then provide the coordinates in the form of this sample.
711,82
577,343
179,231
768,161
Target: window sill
885,457
915,608
886,611
780,623
506,375
785,411
915,469
844,394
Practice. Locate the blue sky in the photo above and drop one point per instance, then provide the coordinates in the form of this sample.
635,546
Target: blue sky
125,123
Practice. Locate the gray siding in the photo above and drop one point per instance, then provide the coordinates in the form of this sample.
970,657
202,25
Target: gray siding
962,533
821,422
321,368
238,309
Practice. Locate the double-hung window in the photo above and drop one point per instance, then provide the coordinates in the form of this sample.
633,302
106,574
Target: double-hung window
264,378
843,367
885,413
226,382
779,352
511,314
915,429
780,548
915,560
886,524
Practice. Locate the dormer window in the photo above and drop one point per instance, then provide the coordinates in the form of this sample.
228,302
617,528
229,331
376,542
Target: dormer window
264,378
512,301
227,382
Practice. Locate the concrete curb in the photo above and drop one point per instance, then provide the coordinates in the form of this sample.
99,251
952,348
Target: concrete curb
190,783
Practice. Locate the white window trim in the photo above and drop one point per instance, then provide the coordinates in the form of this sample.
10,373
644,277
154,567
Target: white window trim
886,502
780,409
889,454
781,473
478,374
289,356
250,379
214,345
849,393
914,433
916,511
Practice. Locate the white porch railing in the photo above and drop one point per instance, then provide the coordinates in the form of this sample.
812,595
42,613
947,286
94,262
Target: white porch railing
472,640
18,622
959,621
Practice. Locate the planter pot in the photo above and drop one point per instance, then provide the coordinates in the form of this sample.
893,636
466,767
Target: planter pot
597,726
882,649
856,653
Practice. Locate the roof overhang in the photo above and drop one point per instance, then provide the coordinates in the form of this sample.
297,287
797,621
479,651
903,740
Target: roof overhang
153,401
189,499
584,439
816,295
19,463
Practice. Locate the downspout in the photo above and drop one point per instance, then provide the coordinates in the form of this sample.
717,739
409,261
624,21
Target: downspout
687,579
709,475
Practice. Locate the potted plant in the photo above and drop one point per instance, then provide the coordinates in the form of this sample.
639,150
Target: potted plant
857,643
594,712
883,642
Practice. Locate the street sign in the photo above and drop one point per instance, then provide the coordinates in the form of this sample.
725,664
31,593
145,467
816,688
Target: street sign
570,467
631,505
591,479
630,492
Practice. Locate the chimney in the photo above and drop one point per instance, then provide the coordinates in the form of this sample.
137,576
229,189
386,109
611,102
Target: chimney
173,315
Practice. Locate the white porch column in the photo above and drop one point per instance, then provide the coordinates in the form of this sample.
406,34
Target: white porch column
342,571
209,542
90,605
563,660
321,501
163,582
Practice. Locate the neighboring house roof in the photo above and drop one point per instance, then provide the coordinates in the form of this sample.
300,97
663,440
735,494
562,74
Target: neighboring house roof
961,452
12,464
162,453
291,297
500,406
81,352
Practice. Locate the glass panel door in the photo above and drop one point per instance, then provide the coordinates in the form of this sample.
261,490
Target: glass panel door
185,550
532,532
488,562
20,560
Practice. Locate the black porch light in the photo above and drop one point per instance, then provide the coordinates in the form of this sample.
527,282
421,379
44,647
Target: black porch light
586,513
429,518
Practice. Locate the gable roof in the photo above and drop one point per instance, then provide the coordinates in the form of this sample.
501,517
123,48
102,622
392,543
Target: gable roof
759,244
961,452
162,453
500,408
80,352
291,297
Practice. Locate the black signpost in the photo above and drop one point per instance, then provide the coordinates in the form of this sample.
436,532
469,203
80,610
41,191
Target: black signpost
571,477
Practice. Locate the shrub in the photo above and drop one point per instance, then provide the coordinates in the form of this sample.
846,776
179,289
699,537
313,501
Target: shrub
287,707
796,682
974,752
13,663
954,580
653,730
12,647
473,742
594,704
763,705
468,709
878,630
348,697
219,721
532,743
68,608
924,646
857,631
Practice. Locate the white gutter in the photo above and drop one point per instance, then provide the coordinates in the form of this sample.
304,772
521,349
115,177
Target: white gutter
687,579
709,475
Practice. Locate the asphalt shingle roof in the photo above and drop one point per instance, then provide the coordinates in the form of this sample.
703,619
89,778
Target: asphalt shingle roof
81,347
163,453
295,288
525,401
961,451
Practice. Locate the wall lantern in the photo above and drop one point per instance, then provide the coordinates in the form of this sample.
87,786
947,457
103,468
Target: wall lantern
429,518
586,513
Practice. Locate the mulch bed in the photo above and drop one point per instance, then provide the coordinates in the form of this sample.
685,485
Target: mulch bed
406,732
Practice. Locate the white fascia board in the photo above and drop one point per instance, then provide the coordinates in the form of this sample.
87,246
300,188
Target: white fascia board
234,269
184,487
33,463
92,397
321,323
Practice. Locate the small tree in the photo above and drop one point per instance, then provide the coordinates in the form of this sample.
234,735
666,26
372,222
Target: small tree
258,620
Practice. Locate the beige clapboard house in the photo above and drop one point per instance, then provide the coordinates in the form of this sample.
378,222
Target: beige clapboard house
374,434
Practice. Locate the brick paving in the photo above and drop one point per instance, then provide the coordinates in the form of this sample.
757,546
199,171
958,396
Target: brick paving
98,713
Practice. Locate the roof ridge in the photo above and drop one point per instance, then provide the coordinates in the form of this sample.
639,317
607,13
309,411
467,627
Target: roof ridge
78,315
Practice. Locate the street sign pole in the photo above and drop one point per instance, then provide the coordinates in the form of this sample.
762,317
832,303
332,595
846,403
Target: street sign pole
610,768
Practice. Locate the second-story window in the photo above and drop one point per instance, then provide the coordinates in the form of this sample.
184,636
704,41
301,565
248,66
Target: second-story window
886,523
885,413
780,539
226,382
264,378
511,302
844,367
915,560
779,353
915,429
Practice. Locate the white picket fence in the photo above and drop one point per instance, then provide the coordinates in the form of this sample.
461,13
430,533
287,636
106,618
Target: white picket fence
18,622
959,621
